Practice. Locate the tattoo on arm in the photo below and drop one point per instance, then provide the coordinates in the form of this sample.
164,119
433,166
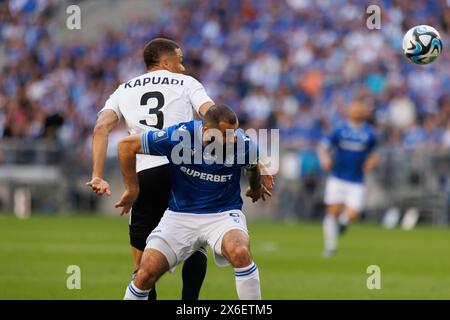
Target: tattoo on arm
254,178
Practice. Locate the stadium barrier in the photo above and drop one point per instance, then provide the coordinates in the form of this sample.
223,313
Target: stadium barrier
44,176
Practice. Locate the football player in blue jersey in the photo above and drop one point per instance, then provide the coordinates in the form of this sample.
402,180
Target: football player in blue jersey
206,158
348,153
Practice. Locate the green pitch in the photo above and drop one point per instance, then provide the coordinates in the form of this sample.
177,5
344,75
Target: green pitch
35,254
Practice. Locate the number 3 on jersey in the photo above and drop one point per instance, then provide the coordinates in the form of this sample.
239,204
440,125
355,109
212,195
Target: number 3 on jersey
156,111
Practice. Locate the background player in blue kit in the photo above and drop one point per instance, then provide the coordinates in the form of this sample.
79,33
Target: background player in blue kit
205,203
353,155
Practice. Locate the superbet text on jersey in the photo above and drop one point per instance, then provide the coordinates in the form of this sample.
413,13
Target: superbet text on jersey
153,101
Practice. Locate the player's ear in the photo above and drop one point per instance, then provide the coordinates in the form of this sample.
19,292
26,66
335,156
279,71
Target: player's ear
206,134
164,61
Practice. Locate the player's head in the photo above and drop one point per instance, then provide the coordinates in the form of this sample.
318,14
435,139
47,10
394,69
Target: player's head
217,120
165,54
357,111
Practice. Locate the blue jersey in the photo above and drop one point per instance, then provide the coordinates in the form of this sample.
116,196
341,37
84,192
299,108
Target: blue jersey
352,146
200,185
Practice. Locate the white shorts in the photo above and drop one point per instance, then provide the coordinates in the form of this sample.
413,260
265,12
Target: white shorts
178,235
350,194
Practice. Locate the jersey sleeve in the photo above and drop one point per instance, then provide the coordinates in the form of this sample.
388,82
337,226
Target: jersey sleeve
113,104
197,94
158,143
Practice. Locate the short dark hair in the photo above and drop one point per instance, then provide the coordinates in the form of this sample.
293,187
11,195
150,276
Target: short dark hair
218,113
156,48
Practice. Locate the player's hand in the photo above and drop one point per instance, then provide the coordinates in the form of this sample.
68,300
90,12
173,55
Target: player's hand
126,201
99,186
267,179
257,194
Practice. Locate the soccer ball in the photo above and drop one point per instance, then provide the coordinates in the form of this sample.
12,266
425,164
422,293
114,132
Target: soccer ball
422,44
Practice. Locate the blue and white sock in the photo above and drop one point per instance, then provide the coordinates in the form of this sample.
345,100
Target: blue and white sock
247,282
134,293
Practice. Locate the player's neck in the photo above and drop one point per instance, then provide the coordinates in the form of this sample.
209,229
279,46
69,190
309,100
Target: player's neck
157,68
355,124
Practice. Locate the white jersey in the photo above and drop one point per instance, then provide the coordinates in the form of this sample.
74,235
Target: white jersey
153,101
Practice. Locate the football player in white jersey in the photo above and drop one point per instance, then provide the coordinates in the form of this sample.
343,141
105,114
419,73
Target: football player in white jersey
159,98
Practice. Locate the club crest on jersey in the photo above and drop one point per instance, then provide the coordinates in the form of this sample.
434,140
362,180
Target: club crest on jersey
235,217
160,135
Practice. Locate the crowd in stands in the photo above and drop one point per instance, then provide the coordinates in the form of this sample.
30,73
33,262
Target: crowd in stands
293,65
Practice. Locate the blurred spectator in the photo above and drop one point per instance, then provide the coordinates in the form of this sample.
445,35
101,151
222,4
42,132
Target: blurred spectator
290,64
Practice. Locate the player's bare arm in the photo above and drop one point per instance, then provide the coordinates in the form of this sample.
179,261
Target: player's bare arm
127,149
256,190
324,157
204,107
371,162
106,122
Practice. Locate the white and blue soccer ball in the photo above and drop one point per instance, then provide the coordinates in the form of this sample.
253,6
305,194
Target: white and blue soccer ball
422,44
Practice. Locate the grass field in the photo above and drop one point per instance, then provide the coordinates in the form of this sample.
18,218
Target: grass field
35,253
